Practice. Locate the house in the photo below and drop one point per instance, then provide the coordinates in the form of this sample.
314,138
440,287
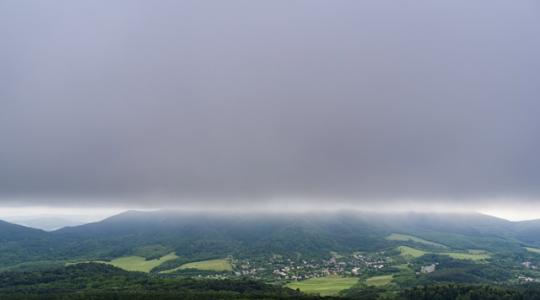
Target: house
428,269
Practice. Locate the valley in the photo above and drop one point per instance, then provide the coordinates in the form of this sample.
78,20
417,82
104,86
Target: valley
269,150
329,255
338,255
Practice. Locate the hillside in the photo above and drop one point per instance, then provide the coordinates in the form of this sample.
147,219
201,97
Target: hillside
312,252
97,281
193,235
19,244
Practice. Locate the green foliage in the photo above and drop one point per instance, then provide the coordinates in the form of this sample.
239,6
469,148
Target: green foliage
100,281
201,237
365,293
135,241
152,251
450,270
470,292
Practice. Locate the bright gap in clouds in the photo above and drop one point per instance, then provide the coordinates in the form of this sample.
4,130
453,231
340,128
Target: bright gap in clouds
514,214
51,218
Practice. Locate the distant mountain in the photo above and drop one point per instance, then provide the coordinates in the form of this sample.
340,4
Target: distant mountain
216,234
46,223
20,244
528,231
310,234
204,235
11,232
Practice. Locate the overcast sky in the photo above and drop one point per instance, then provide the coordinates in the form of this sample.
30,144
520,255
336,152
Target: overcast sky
178,103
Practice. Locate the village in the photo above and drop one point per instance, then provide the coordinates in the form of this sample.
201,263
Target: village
279,268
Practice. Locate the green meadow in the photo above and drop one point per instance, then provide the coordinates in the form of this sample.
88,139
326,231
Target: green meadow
477,255
324,286
410,252
136,263
218,265
379,280
471,255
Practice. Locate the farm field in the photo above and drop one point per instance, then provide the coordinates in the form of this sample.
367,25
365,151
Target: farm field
324,286
405,237
471,255
379,280
218,265
476,255
411,252
139,263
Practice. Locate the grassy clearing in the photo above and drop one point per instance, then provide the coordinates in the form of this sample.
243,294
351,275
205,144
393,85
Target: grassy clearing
218,265
410,252
324,286
379,280
405,237
138,263
336,255
533,250
476,255
71,263
403,267
471,255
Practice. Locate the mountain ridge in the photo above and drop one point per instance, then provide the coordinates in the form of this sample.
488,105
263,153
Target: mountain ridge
198,234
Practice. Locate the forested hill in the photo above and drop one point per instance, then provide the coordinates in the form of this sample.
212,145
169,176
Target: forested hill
219,235
13,232
99,281
103,282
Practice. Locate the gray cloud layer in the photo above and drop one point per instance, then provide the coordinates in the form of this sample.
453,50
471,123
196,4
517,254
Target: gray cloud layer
258,99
